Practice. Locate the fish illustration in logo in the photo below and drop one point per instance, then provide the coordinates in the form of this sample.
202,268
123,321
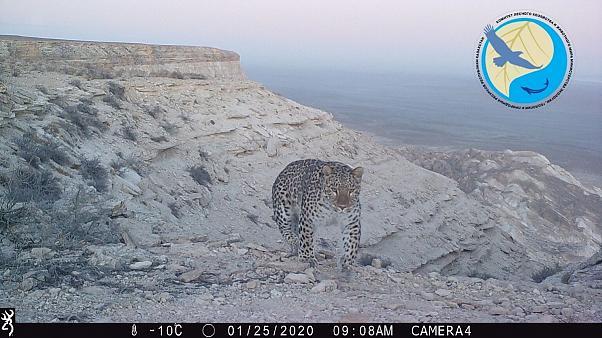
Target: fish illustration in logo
535,91
506,54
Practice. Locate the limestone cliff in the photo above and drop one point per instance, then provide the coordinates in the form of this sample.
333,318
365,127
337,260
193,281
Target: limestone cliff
117,59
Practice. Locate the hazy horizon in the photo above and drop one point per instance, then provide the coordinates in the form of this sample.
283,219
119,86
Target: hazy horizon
378,36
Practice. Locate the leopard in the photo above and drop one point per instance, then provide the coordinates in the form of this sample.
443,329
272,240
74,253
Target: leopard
310,193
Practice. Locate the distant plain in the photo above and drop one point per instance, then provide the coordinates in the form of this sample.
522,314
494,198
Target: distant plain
452,112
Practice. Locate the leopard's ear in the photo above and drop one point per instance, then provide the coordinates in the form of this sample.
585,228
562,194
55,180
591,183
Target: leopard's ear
357,173
327,170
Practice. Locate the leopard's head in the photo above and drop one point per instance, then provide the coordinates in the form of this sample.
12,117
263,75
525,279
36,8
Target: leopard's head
342,185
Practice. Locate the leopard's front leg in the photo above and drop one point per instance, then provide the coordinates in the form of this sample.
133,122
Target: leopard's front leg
351,244
306,240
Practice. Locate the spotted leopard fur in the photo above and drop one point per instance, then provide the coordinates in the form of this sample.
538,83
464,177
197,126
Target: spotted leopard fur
308,193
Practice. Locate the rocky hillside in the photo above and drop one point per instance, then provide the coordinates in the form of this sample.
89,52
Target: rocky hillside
146,170
557,214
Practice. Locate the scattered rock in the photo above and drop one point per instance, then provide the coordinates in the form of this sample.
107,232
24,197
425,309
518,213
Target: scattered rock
112,257
392,306
484,302
377,263
176,268
40,275
289,266
354,310
40,253
234,238
256,247
199,238
427,295
164,297
555,305
325,286
252,284
467,306
310,273
95,290
443,292
518,311
545,319
272,146
567,312
206,296
396,279
141,265
126,187
433,275
28,284
498,311
297,278
119,210
127,239
539,309
190,276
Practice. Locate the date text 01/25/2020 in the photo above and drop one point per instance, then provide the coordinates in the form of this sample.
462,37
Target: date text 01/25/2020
307,330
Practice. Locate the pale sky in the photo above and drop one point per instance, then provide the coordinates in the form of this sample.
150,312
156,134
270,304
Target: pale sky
375,35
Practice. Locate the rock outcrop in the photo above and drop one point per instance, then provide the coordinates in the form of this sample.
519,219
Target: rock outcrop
559,219
588,273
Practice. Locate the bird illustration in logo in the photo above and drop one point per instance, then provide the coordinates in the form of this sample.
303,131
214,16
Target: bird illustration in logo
506,54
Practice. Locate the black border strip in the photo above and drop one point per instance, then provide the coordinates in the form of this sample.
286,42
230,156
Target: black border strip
513,330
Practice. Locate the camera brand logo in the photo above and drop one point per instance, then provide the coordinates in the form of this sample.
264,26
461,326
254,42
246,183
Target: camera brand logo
525,61
8,320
